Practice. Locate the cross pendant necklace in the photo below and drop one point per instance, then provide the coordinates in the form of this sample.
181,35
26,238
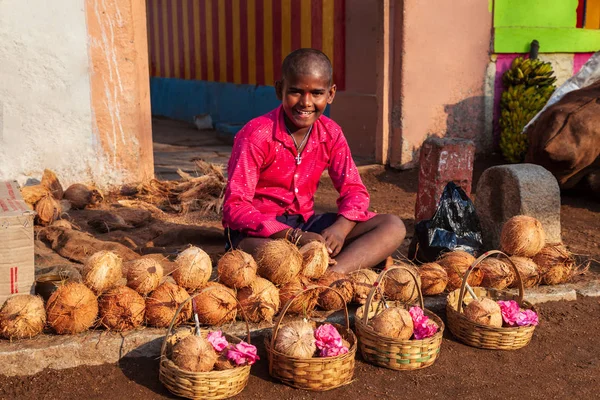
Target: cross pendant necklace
302,143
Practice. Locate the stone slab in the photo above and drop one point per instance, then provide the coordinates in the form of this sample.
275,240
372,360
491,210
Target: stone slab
522,189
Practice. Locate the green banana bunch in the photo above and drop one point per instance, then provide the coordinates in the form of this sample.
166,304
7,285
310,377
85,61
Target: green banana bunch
529,84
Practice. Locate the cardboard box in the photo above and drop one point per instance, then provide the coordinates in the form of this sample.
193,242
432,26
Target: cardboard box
17,267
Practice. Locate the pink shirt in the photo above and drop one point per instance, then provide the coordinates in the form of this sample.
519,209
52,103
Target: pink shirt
264,180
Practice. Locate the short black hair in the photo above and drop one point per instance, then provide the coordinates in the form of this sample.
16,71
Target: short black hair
307,61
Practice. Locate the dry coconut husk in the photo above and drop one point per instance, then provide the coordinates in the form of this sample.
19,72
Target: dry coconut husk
144,275
22,316
279,261
330,300
400,285
48,210
33,194
162,304
193,268
216,306
79,195
62,223
434,278
497,274
456,264
102,271
528,271
305,303
394,323
121,309
71,309
523,236
223,363
50,181
555,263
296,339
484,311
362,282
237,269
315,259
260,301
194,353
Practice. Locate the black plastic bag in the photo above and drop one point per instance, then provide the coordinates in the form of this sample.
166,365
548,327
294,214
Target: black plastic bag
455,226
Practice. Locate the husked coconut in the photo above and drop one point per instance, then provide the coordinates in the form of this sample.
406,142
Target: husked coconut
528,271
71,309
484,311
395,323
259,301
50,181
22,316
296,339
523,236
497,274
144,275
328,299
400,285
79,195
279,261
362,282
434,278
102,271
303,304
216,306
315,259
456,264
194,353
162,304
121,309
193,268
555,264
237,269
48,210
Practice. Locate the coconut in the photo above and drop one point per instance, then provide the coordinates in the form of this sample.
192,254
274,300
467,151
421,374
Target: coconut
305,303
296,339
433,278
33,194
484,311
279,261
216,306
400,285
528,271
223,363
62,223
194,353
330,300
102,271
555,264
193,268
362,282
394,323
50,181
167,265
259,301
456,264
48,210
237,269
162,304
315,259
79,195
22,316
121,309
72,308
144,275
522,236
497,274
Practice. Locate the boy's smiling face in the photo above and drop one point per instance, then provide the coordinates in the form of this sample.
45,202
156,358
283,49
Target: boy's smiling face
304,97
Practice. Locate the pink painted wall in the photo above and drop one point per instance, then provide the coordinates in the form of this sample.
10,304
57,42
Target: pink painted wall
445,54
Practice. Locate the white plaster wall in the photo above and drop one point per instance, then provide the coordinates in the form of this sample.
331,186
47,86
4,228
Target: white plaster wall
45,111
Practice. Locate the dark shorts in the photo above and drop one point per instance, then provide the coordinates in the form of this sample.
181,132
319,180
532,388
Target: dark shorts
316,224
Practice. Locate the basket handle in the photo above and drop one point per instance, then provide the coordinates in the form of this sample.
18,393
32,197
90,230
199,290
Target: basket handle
485,255
383,273
206,289
294,298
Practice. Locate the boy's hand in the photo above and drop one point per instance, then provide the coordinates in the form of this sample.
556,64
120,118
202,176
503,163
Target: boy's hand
336,234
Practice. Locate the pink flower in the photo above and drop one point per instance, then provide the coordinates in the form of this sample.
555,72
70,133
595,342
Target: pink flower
423,326
527,317
243,353
416,313
217,340
329,342
510,311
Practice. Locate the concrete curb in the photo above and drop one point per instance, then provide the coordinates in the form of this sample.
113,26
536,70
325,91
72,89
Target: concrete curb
30,356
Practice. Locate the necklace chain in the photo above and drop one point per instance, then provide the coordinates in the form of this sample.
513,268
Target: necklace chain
304,139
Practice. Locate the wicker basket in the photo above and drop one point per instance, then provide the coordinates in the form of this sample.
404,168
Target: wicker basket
199,385
484,336
317,373
392,353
